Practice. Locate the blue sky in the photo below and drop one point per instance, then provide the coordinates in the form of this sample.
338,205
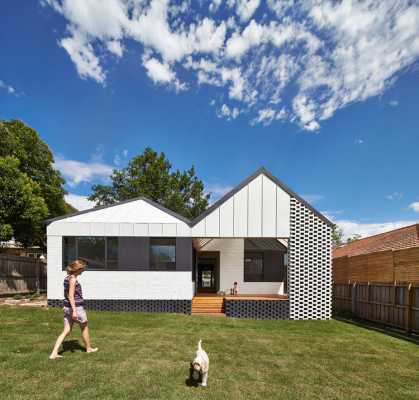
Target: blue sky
325,95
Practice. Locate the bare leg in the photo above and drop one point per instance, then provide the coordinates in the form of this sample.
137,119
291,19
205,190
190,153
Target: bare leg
86,338
59,341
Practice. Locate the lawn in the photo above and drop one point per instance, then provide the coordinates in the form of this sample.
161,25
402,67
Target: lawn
146,356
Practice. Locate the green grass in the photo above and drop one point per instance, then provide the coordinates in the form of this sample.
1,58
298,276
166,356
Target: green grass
146,356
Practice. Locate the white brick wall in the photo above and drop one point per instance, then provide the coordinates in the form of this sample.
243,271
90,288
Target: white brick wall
127,285
232,268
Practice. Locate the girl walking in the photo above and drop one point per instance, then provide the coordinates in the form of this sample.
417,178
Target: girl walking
73,308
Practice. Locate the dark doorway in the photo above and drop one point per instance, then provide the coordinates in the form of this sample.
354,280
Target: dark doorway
207,272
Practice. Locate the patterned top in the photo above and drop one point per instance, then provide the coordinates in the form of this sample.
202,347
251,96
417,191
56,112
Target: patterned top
78,295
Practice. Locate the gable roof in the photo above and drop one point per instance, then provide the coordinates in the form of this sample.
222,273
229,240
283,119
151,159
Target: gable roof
242,184
210,209
396,239
147,200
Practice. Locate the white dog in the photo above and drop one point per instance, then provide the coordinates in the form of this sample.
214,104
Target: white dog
200,365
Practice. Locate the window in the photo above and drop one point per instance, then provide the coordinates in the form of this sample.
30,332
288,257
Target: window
163,253
253,267
99,252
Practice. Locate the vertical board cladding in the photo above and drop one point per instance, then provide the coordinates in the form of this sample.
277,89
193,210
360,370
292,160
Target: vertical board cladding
133,253
184,254
309,269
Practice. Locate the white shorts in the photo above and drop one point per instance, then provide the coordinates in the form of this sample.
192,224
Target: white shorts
81,315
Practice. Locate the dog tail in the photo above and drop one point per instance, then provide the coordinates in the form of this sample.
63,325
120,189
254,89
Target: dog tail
199,345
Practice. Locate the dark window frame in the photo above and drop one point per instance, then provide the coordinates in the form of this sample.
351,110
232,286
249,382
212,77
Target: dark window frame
249,254
152,267
65,262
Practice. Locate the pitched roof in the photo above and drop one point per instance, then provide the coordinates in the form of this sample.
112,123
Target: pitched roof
223,199
397,239
242,184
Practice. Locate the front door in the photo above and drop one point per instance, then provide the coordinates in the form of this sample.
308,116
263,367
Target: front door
207,278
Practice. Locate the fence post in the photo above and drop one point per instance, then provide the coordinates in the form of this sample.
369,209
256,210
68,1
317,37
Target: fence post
353,295
409,305
38,278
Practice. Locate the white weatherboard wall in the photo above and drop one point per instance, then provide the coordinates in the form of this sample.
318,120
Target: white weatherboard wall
134,218
232,268
259,209
125,285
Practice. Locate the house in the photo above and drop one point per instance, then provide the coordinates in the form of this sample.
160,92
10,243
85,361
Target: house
387,257
142,256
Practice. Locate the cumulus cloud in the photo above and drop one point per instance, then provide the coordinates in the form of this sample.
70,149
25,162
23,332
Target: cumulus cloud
79,202
305,60
414,206
229,113
217,190
351,228
77,172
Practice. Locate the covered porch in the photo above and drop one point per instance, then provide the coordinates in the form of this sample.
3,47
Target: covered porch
256,267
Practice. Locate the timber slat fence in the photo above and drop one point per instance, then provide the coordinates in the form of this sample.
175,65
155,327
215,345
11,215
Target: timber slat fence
394,305
21,275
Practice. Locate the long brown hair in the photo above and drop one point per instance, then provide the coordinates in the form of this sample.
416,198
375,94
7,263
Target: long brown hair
75,266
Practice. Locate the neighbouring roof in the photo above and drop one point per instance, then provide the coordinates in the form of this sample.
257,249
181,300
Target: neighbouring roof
226,197
397,239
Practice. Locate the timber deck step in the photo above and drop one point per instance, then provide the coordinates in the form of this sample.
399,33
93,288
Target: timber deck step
204,305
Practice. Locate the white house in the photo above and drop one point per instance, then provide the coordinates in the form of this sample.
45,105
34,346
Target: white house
142,256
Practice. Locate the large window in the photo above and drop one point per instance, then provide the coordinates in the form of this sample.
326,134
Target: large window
163,253
99,252
253,267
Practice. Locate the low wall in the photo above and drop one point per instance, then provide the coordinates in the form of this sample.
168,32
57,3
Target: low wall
257,309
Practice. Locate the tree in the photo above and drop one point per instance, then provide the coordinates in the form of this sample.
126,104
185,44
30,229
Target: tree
22,207
28,160
337,236
150,175
355,236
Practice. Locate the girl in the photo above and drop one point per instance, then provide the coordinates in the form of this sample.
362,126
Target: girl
73,308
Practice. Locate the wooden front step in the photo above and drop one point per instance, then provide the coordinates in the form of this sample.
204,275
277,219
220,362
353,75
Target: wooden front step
207,305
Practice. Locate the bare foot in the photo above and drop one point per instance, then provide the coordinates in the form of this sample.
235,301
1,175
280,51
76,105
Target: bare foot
54,356
92,350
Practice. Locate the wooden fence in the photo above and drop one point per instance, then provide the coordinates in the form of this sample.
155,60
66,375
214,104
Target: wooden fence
394,305
21,275
383,267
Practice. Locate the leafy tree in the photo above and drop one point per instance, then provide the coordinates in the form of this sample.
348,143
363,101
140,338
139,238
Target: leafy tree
337,236
22,207
150,174
354,237
28,160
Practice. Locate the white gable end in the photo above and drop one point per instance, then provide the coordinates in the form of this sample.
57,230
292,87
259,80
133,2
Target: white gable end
134,218
259,209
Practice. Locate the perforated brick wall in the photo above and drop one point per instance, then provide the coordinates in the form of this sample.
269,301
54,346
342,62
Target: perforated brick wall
310,266
175,306
258,309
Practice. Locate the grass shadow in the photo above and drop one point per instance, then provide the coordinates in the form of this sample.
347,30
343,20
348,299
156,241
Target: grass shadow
372,326
71,346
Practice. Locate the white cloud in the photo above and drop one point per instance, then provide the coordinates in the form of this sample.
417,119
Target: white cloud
79,202
312,198
217,190
414,206
77,172
227,112
351,228
393,103
246,8
359,141
395,196
8,88
305,59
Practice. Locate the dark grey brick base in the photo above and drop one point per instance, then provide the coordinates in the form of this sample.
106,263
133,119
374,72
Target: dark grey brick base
258,309
176,306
